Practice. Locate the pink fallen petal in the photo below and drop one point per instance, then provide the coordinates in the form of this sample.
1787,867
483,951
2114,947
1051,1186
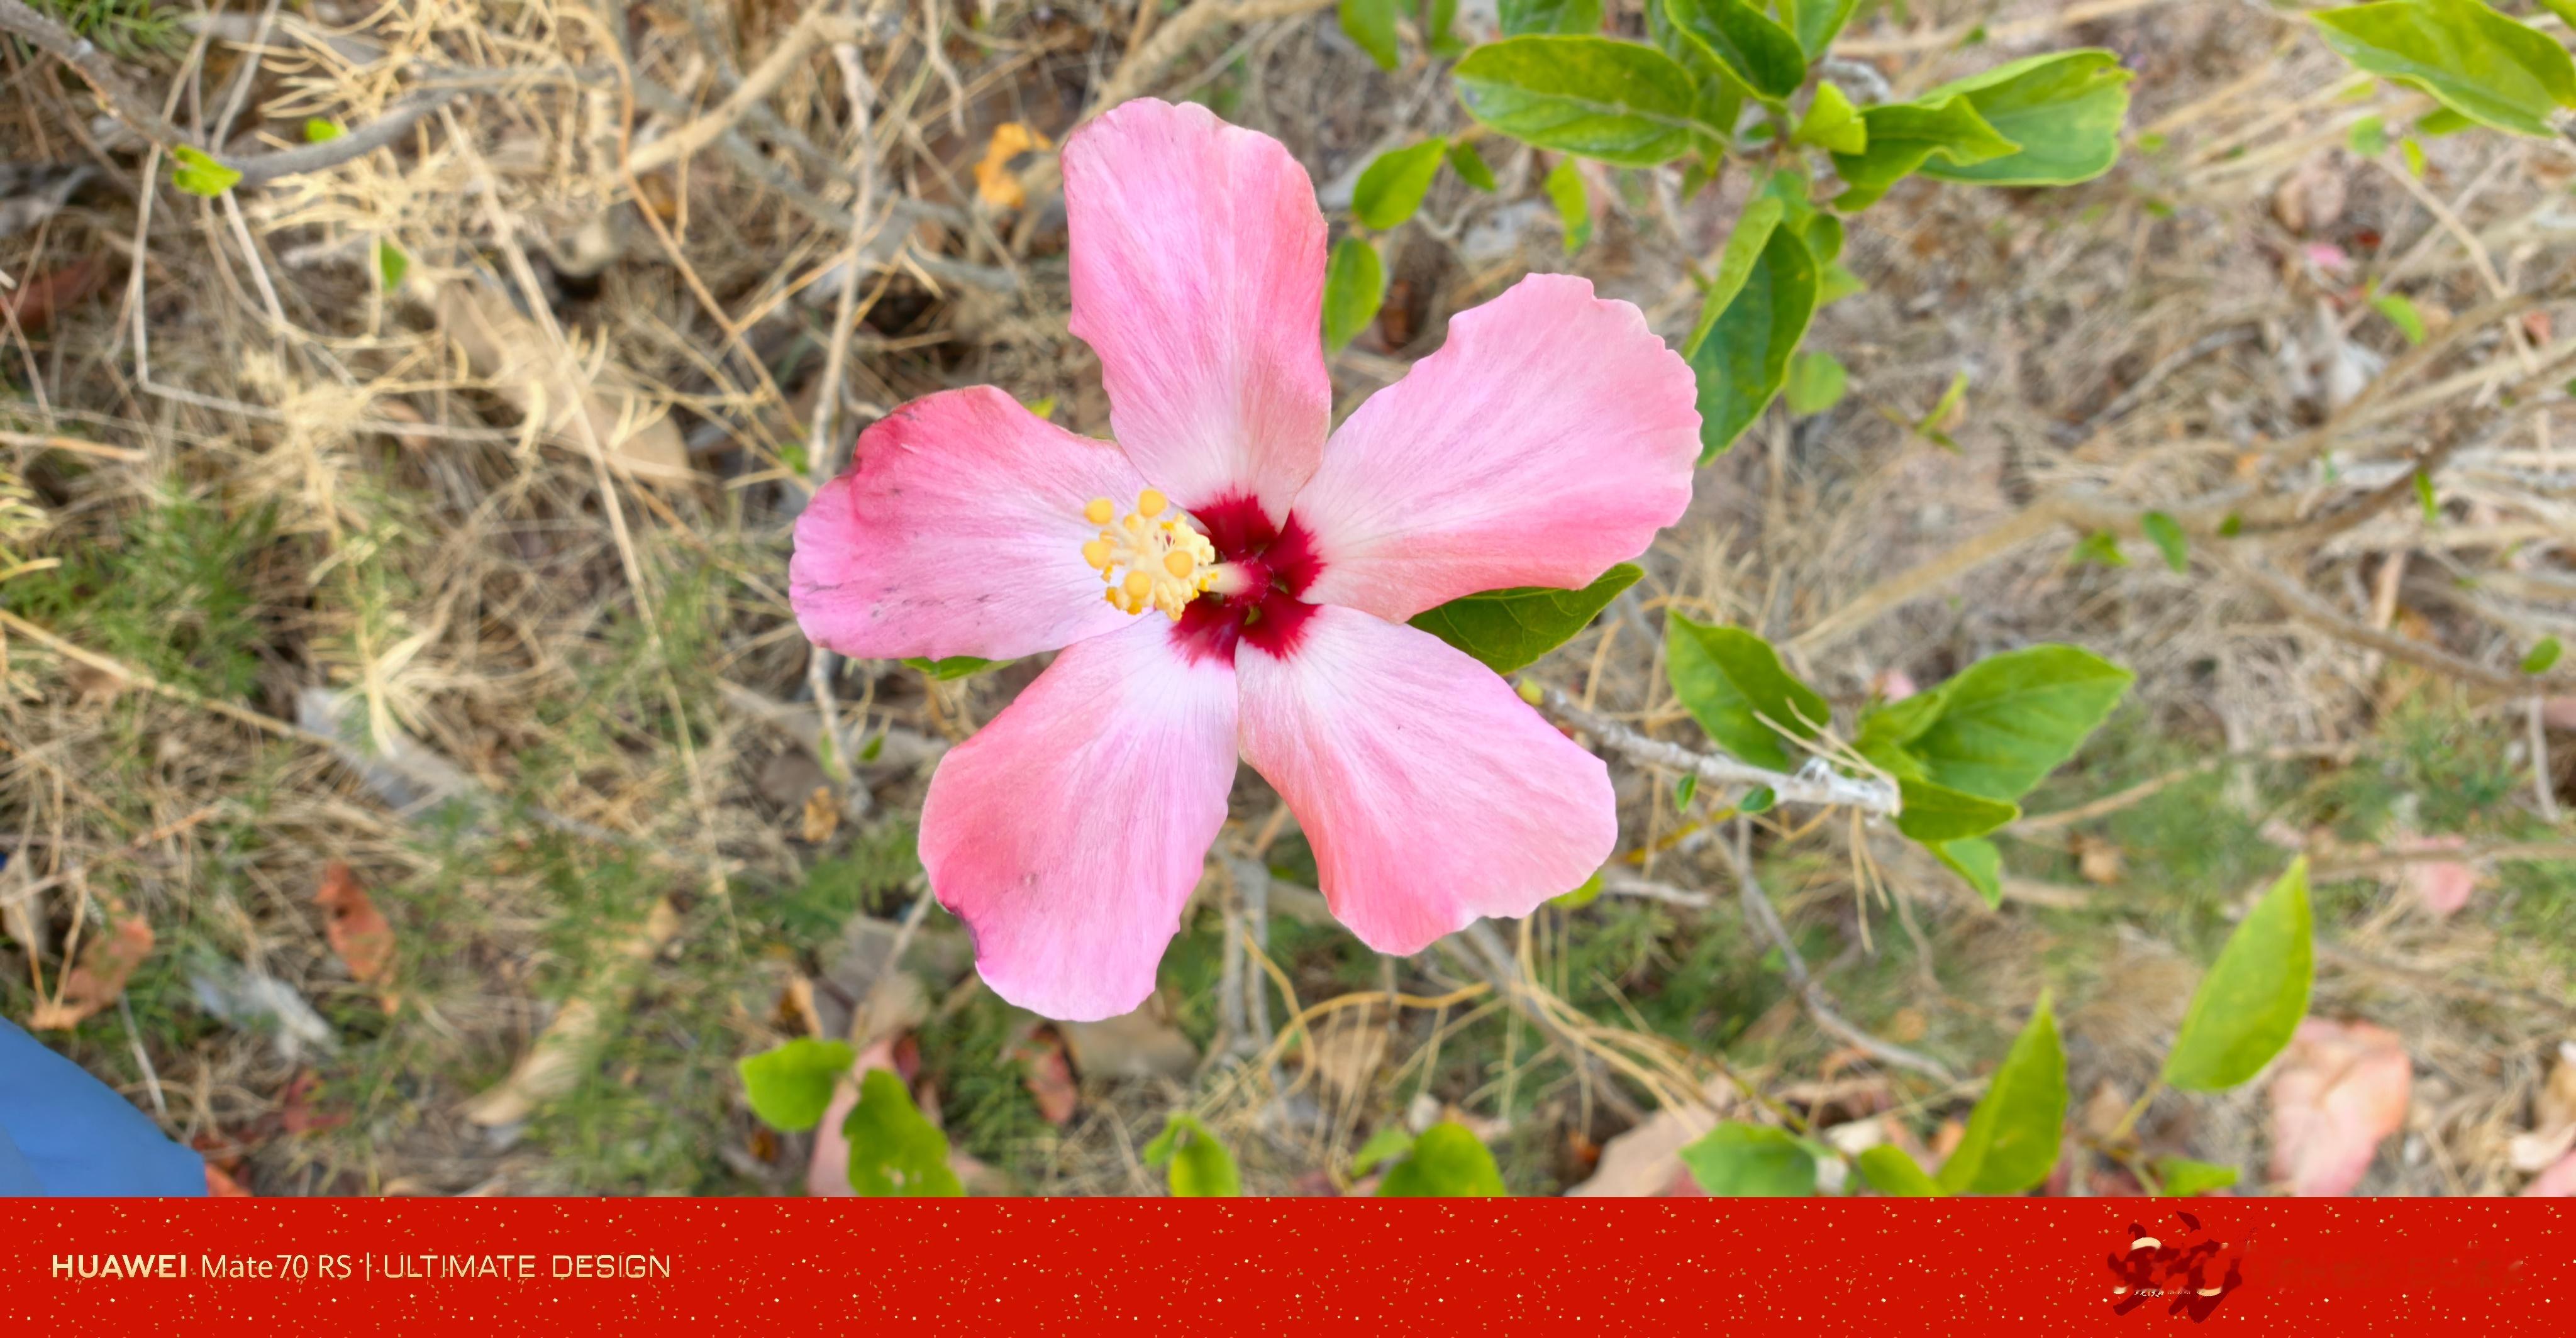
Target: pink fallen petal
2558,1182
1431,794
2340,1089
1069,831
1198,277
958,531
2558,712
1548,439
2442,886
2328,257
827,1172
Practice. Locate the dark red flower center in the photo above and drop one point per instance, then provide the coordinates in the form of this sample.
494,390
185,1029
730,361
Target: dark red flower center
1276,563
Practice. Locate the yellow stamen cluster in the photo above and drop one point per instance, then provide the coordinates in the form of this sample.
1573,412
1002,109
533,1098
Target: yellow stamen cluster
1150,557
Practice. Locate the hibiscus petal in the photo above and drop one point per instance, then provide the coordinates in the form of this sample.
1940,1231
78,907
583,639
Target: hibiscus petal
1198,277
1431,794
1549,438
1069,831
958,530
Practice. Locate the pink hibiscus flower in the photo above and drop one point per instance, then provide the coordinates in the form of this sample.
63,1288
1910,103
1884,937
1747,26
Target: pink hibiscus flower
1257,577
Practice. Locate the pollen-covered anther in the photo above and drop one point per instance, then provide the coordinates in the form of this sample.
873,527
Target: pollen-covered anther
1151,557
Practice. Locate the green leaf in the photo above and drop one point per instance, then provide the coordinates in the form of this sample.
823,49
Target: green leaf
2369,137
2254,995
1439,18
2064,109
1905,135
1201,1167
2424,498
790,1086
1887,730
2542,656
1759,799
198,173
2010,719
1371,24
2472,59
1816,383
1824,236
1446,1162
1391,188
1564,187
1390,1141
2101,547
1753,229
2442,121
319,131
1580,897
1549,16
2414,154
2166,534
1934,813
2182,1177
1510,629
1685,790
2013,1133
1354,287
1470,166
953,667
1890,1171
2402,314
1947,412
894,1152
1744,42
1838,283
1730,681
1832,122
1817,22
1977,860
2564,9
1742,359
1621,102
391,264
1736,1160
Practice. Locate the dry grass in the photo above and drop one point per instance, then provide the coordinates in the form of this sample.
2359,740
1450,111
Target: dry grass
525,506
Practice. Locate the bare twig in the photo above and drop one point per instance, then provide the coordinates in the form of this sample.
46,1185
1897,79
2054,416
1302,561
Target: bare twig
2296,601
1758,909
94,68
1819,787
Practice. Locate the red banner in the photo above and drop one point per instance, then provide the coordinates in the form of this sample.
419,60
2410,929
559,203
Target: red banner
1286,1265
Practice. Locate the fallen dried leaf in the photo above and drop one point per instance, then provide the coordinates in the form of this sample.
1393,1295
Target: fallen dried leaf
1050,1075
38,298
2341,1088
357,930
995,183
553,387
822,816
2097,860
106,963
2310,199
295,1112
2440,886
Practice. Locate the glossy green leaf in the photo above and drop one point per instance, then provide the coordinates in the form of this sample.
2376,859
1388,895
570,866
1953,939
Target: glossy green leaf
1832,122
894,1152
2564,9
1743,358
197,173
1824,237
1731,681
1201,1168
1549,16
1439,29
1577,899
2472,59
2181,1177
1753,229
1759,799
2166,534
1371,24
1736,1160
2442,121
1743,41
1564,187
1445,1162
1510,629
1391,188
790,1086
2013,1134
1816,383
1389,1142
2401,313
1887,730
2544,655
953,667
1890,1171
2064,109
391,264
2010,719
1977,860
1685,790
1816,22
1470,166
1354,288
1936,813
2251,1001
1620,102
1905,135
